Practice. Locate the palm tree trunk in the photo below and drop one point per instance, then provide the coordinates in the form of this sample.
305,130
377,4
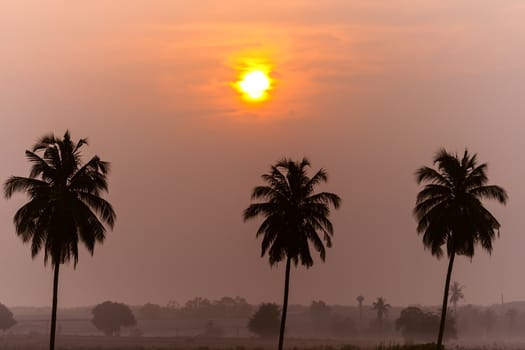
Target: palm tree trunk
285,303
445,300
360,316
54,309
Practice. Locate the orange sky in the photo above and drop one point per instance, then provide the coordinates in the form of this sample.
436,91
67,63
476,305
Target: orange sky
369,91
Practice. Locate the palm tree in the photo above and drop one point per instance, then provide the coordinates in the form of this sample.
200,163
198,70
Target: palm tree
456,294
64,205
450,213
294,217
360,300
381,308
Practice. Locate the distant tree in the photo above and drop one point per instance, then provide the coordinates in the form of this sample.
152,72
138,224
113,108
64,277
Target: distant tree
381,308
149,312
413,324
173,304
417,325
450,212
6,318
320,312
456,294
109,317
228,307
360,300
294,217
265,321
65,205
197,308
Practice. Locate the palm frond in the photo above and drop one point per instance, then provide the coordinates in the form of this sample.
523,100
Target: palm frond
426,174
326,198
23,184
100,206
490,192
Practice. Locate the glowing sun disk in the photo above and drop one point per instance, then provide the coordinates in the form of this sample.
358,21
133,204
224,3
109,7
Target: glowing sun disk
254,84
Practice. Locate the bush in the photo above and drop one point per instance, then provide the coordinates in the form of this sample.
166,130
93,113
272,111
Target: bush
417,325
109,317
6,318
266,320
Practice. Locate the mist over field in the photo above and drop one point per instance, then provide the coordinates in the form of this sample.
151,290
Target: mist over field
223,324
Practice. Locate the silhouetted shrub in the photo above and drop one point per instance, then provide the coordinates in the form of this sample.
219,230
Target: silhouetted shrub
266,320
6,318
109,317
417,325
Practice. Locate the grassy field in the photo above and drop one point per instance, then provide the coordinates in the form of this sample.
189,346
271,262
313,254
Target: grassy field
40,342
37,342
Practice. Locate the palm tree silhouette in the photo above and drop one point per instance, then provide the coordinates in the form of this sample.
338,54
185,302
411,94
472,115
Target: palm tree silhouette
381,308
456,294
449,211
294,216
64,205
360,300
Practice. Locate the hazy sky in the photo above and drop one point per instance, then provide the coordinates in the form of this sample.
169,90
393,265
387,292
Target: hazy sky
368,90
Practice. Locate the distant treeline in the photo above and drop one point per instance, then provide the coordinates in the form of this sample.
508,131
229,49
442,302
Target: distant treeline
197,308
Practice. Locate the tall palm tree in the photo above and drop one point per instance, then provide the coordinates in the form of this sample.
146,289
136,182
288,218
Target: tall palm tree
294,217
65,205
360,300
381,308
456,294
450,212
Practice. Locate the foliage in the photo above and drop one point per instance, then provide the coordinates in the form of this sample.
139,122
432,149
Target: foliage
226,307
65,206
293,214
265,321
6,318
456,293
449,208
149,312
381,307
320,312
417,325
109,317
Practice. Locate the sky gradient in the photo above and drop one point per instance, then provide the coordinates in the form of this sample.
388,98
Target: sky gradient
369,91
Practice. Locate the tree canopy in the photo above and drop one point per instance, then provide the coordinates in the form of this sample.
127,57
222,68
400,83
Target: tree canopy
109,317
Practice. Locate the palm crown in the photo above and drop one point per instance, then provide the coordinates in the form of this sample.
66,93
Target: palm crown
294,214
381,307
64,204
449,208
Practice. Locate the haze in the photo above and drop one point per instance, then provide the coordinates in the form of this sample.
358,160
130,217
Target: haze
367,90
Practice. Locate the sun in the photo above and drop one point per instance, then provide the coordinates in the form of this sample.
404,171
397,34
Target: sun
254,85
